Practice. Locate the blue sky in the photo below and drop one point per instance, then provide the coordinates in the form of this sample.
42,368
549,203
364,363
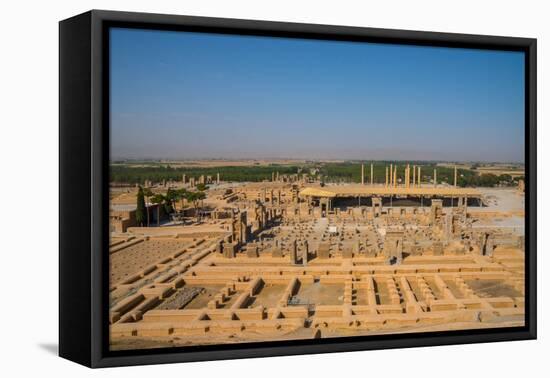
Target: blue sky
187,95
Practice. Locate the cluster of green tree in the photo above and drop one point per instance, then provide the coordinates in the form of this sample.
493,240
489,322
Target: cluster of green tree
487,180
329,172
137,175
166,201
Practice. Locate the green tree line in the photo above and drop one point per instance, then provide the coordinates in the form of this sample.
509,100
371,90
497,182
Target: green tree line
137,175
329,172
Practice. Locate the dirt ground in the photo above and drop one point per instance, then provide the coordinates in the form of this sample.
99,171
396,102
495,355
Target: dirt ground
492,288
137,257
328,294
268,296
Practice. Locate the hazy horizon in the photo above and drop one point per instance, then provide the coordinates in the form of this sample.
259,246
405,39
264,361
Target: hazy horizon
183,96
290,159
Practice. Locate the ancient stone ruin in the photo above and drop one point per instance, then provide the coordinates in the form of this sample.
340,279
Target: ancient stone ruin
287,259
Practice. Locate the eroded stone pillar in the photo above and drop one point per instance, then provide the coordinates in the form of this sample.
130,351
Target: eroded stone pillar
455,177
376,206
305,254
393,247
371,174
294,252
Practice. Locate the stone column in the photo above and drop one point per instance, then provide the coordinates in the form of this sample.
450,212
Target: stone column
489,246
386,177
371,174
395,176
362,174
435,177
455,177
294,252
263,195
414,175
218,178
391,174
419,179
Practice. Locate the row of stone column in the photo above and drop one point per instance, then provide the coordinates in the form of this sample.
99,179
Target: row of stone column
371,174
391,176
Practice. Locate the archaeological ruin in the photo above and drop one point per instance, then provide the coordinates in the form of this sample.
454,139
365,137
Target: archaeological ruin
293,259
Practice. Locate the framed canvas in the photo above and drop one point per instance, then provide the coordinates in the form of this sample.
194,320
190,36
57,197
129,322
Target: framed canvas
236,188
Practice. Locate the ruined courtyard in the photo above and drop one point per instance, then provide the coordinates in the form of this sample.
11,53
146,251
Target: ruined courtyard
291,258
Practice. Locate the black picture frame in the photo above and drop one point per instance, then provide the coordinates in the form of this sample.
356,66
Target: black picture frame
83,181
